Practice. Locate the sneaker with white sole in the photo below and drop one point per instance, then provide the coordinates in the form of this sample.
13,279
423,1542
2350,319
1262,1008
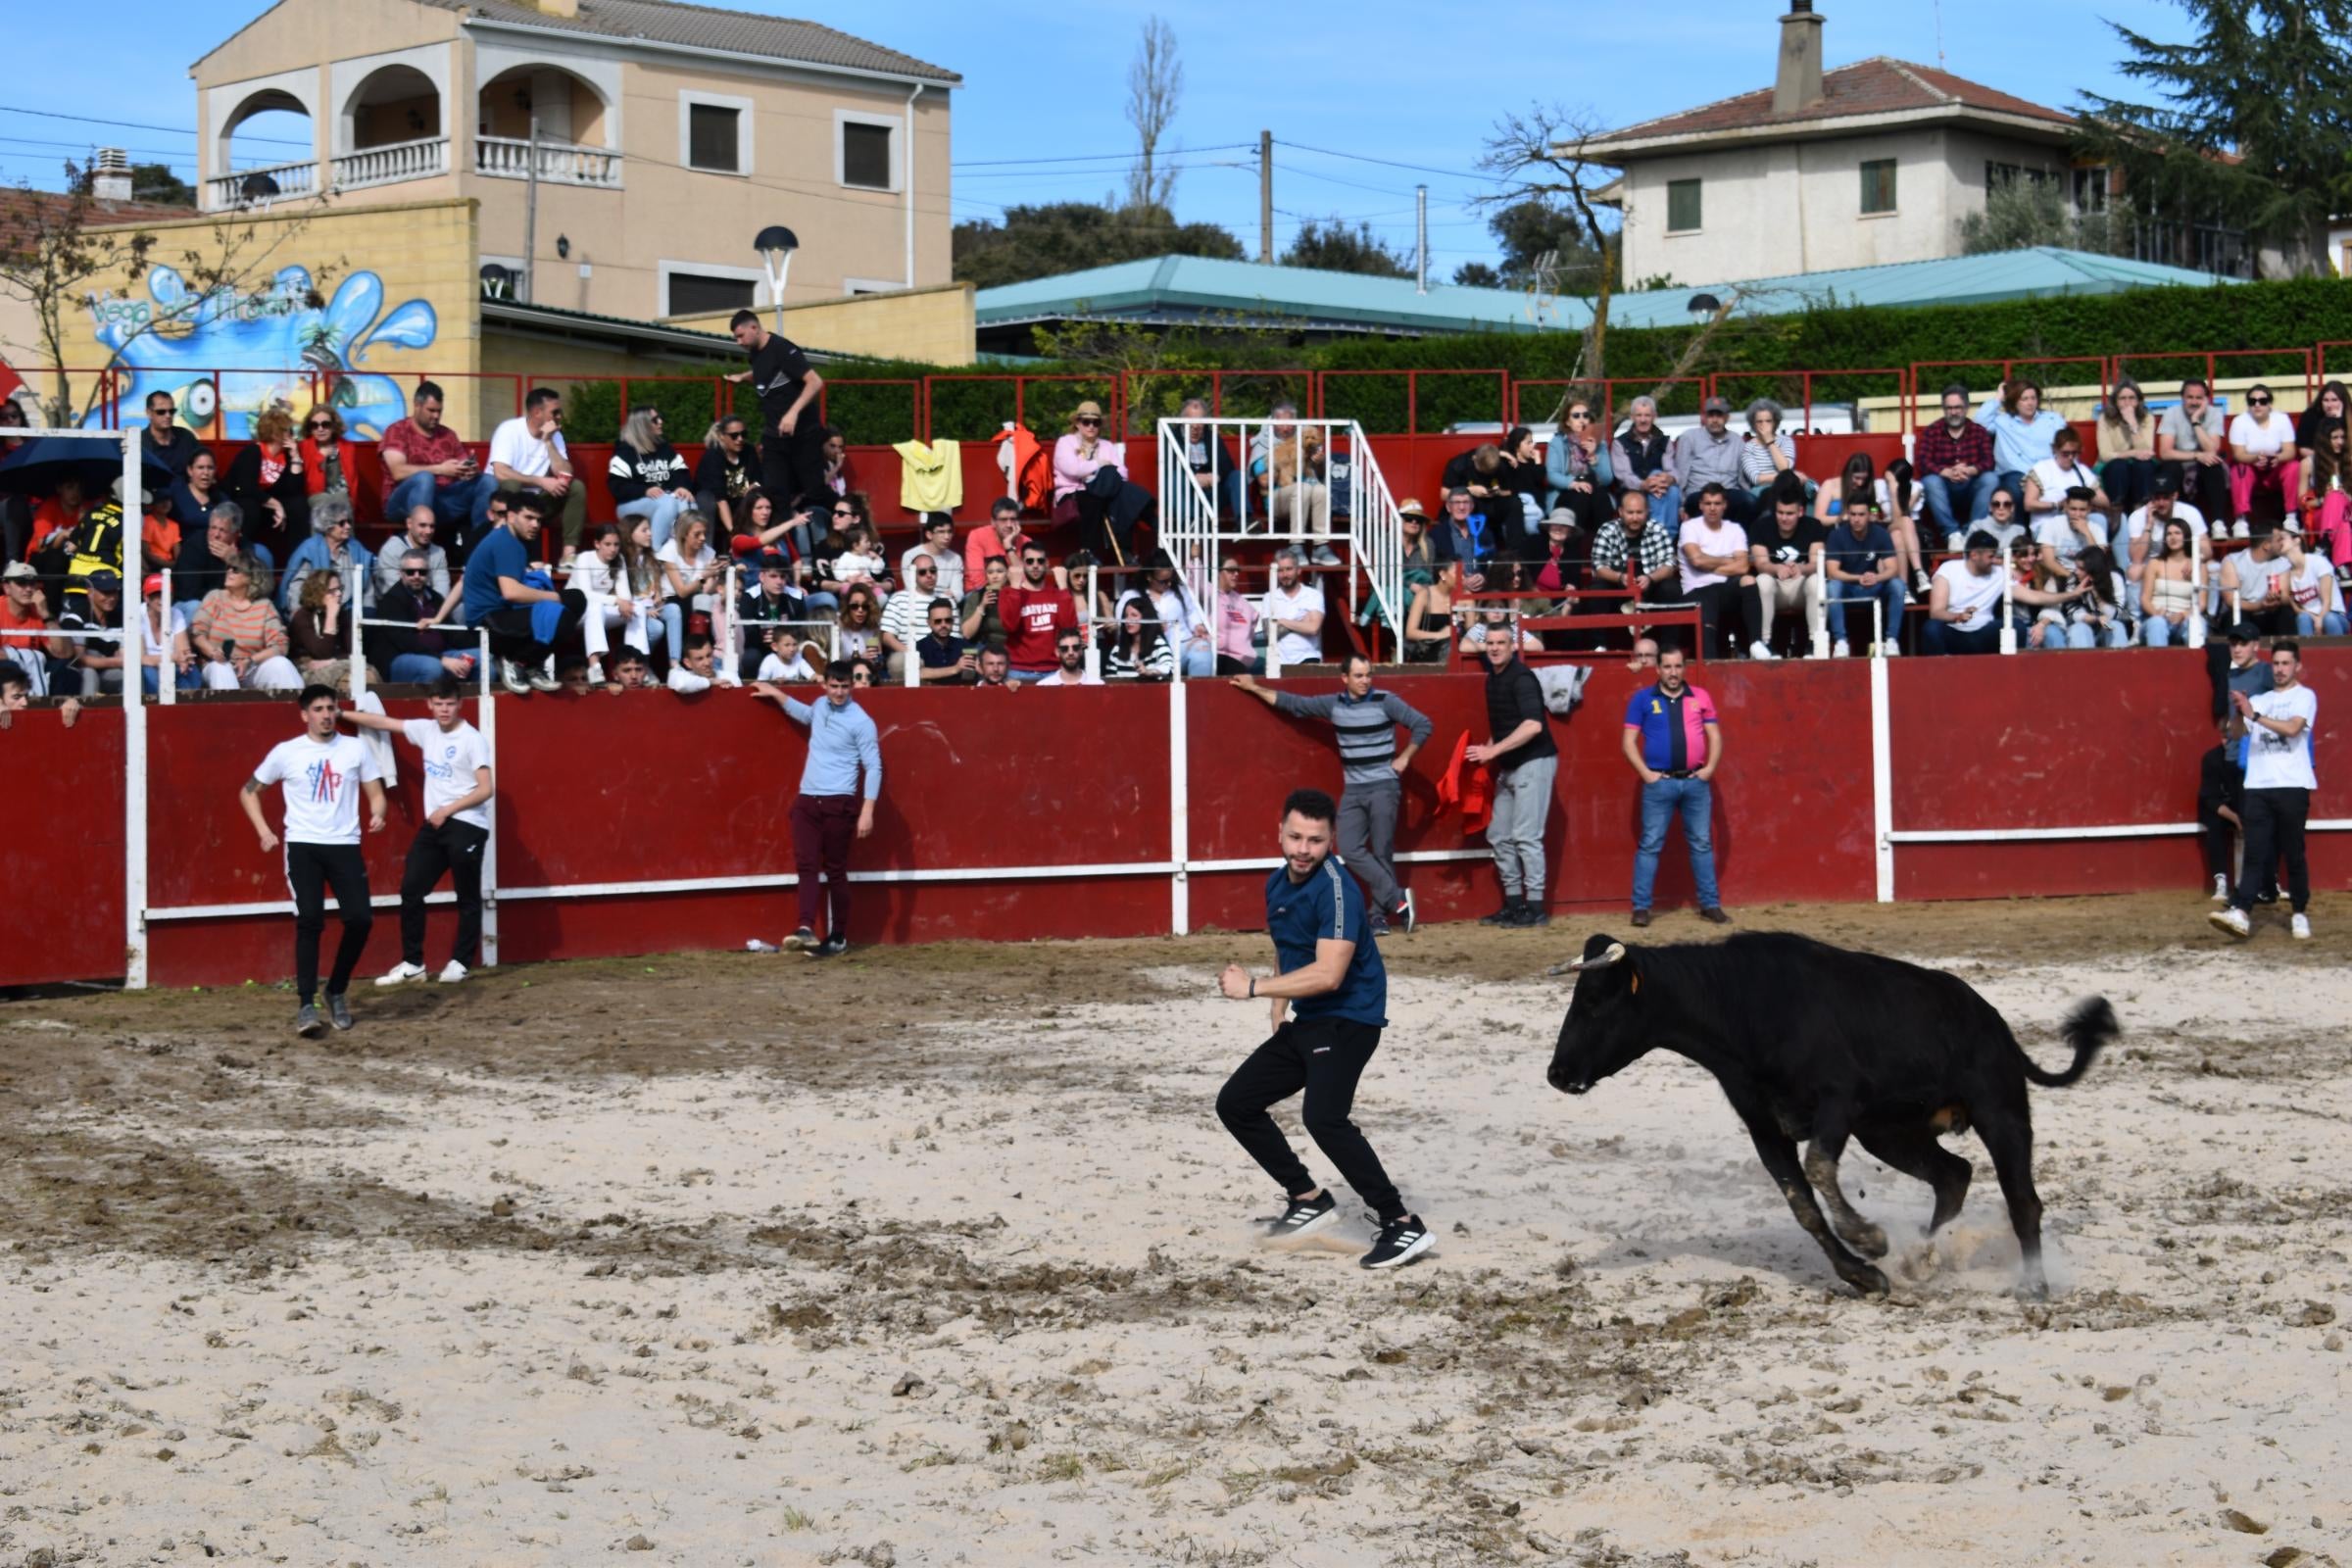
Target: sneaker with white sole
2220,888
1763,655
1892,648
2221,530
1839,649
1303,1217
1399,1243
510,676
2300,926
401,973
1402,916
800,940
2239,530
451,973
338,1010
2232,921
307,1022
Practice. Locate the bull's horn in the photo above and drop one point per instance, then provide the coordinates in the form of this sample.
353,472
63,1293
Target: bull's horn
1608,956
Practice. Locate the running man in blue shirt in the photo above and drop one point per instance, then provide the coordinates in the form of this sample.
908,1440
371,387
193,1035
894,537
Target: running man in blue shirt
842,744
1330,969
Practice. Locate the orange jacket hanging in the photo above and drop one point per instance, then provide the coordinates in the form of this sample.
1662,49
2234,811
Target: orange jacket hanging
1031,470
1468,787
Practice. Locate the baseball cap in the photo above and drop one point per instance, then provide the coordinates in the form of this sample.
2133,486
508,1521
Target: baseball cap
152,583
1715,406
2243,632
106,581
2168,483
20,571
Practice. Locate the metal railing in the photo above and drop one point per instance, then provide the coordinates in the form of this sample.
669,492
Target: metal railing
561,162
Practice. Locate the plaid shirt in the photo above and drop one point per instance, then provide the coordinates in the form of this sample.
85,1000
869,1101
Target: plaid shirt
1609,548
1936,449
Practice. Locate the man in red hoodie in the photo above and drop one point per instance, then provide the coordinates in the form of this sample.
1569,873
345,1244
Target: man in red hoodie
1036,610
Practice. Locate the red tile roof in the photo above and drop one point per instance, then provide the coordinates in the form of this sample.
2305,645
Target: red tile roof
1874,86
20,210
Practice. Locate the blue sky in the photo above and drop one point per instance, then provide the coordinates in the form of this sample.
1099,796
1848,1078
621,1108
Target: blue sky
1373,78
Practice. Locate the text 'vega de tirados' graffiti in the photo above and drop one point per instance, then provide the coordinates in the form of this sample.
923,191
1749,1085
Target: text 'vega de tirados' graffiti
272,345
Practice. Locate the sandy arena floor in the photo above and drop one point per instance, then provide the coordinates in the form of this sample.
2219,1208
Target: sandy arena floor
939,1256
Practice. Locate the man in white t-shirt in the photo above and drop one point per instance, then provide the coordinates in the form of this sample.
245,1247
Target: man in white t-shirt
1069,668
527,452
323,773
939,543
1293,613
2261,575
454,834
2074,529
1964,602
2143,530
1714,566
2277,795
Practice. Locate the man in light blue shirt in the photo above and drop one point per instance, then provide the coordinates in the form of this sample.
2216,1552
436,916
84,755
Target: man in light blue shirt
842,744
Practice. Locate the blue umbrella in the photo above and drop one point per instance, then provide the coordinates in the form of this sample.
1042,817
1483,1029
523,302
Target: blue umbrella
35,468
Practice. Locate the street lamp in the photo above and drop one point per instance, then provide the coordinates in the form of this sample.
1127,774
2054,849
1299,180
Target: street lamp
1702,305
775,246
498,283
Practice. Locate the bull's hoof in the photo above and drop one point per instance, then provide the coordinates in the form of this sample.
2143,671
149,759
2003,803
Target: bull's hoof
2034,1288
1865,1278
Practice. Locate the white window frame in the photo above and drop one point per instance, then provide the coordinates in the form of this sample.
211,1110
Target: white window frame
665,270
1666,197
688,101
896,125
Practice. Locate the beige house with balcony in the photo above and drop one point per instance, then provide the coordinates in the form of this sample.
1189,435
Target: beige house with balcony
667,137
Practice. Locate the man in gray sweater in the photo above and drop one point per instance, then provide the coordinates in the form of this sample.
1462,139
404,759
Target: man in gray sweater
1372,768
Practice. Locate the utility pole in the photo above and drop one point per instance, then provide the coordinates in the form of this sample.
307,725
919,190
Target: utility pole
530,219
1265,197
1421,238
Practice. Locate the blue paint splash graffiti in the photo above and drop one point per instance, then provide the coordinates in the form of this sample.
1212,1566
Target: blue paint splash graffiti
275,345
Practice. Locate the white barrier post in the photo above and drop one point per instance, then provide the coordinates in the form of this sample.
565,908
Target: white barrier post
2196,601
166,674
1877,627
730,634
359,659
134,743
481,661
1817,614
488,709
1086,622
2008,607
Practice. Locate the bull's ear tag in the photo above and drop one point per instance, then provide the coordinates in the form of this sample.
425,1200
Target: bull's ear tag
1636,979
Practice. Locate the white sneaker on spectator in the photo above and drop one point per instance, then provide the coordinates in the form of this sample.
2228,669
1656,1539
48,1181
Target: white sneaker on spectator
1839,649
2221,530
2237,530
543,679
451,972
1926,583
1757,650
2232,921
1324,556
1893,649
401,973
2300,925
2220,888
510,676
596,672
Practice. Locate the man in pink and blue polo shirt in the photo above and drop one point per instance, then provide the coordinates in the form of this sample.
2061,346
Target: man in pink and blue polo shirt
1675,744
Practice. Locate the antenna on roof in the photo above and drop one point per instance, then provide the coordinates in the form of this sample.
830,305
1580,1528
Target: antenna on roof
1544,287
1938,34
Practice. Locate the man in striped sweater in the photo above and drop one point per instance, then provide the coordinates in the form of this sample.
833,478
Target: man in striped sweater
1372,769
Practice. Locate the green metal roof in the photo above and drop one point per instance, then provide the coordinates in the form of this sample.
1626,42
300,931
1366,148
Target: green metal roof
1169,290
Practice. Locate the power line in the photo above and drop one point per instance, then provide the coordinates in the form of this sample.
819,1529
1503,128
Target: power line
1391,163
133,125
1124,158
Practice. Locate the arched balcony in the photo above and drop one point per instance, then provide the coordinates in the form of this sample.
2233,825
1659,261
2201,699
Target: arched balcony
257,170
392,127
576,143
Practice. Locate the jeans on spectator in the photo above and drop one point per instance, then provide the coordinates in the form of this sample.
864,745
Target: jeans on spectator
1229,493
822,826
1668,506
2205,486
2158,631
1694,800
419,669
1515,830
1199,660
662,508
1718,612
2081,634
262,675
1366,832
1890,596
2127,481
1943,637
2275,821
2330,624
573,506
108,682
1976,496
460,506
186,680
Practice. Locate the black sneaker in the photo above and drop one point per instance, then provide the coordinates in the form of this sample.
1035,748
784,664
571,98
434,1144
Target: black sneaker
1378,925
833,947
308,1023
338,1010
1532,914
1400,1242
1508,914
1304,1217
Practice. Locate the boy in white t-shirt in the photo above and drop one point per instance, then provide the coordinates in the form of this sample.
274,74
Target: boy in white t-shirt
2279,780
323,773
455,832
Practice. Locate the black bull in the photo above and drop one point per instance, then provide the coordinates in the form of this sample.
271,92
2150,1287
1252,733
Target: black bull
1818,1042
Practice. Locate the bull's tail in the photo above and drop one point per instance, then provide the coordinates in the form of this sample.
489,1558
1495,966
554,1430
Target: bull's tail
2087,1030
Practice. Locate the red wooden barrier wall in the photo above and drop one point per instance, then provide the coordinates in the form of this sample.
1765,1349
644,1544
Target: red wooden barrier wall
654,787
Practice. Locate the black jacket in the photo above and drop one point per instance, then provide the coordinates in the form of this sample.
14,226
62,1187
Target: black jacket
1513,695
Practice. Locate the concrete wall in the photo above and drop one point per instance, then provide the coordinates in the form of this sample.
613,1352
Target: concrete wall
1792,207
932,324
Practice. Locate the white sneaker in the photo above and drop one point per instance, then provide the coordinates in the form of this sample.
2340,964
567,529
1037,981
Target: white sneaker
1891,649
596,672
2231,920
2220,888
401,973
451,972
2237,530
2221,530
1757,650
2300,925
1839,650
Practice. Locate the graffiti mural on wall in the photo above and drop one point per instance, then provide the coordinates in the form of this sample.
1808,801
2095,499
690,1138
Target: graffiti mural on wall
243,352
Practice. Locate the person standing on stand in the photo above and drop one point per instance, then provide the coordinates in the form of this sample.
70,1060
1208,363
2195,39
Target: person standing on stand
1675,744
792,437
843,745
2279,783
323,773
1329,972
1372,771
1523,759
454,834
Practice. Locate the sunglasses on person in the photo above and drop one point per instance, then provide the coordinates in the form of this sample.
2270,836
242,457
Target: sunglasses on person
320,424
1087,418
414,571
730,435
1072,647
2003,504
2258,403
845,512
1229,566
166,408
1032,560
926,571
1579,417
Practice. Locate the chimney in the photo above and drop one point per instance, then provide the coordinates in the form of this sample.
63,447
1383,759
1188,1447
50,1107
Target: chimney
109,176
1798,83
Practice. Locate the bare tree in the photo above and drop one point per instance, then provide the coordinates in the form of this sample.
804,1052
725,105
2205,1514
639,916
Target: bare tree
1154,83
57,250
1541,156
